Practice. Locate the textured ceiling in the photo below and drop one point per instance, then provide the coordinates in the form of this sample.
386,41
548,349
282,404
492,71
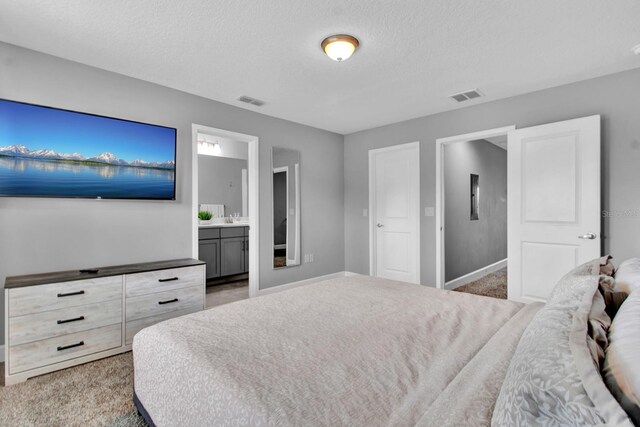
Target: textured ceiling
413,54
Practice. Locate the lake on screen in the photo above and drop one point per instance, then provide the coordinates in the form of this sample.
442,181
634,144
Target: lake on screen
35,177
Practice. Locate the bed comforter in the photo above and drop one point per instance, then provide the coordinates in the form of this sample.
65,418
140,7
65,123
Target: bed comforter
355,351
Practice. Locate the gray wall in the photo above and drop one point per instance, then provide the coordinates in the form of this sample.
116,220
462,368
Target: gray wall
39,235
220,182
615,97
471,245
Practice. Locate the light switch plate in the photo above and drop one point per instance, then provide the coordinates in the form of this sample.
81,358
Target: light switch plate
429,211
365,212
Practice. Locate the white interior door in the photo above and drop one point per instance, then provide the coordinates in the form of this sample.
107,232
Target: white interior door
554,204
394,202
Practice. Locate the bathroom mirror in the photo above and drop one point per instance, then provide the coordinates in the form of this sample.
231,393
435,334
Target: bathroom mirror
285,197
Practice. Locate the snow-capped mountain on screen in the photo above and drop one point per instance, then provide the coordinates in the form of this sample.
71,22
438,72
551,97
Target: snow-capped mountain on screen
110,159
106,158
14,150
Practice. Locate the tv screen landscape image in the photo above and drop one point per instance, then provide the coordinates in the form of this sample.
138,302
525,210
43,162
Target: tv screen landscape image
50,152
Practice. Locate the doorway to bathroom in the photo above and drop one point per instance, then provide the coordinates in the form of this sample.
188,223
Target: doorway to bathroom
225,212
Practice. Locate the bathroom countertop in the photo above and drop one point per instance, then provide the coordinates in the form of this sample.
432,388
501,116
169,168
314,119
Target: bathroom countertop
235,224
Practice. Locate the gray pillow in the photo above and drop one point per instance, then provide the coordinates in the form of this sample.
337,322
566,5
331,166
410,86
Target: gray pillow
552,379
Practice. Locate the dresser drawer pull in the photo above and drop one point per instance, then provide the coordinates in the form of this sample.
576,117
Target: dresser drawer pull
67,347
70,294
60,322
171,279
168,301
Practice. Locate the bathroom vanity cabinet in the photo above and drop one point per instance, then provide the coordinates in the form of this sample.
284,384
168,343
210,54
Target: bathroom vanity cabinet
225,250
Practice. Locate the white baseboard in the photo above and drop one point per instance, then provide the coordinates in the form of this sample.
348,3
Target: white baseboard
292,285
1,353
352,274
475,275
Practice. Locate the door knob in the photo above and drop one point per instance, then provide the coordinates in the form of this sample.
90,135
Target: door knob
379,225
589,236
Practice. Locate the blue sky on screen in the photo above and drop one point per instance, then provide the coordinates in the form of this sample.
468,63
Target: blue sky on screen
67,132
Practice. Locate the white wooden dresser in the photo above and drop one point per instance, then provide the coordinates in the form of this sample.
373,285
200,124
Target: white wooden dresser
57,320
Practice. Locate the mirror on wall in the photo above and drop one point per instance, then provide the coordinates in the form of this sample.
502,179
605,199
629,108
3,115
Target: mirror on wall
285,197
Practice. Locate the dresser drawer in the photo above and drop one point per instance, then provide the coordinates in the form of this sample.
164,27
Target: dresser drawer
53,350
163,280
54,296
49,324
135,326
164,302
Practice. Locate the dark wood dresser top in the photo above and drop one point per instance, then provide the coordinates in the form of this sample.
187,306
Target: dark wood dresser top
114,270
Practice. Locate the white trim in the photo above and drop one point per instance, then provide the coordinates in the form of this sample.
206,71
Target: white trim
475,275
440,190
372,204
482,134
253,170
352,274
5,348
286,286
296,177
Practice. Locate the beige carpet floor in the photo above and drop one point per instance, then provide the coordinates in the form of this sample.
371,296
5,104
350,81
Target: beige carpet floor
492,285
94,394
100,393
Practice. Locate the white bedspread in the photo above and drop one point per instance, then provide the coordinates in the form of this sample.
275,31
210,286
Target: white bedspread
355,351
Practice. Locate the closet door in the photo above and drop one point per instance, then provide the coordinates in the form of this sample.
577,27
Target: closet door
394,192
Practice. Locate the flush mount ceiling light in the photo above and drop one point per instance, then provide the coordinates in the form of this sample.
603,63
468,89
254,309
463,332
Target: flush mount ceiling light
340,46
636,49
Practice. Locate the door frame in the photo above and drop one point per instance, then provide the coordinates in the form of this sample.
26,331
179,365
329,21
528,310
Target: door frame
439,210
372,203
253,171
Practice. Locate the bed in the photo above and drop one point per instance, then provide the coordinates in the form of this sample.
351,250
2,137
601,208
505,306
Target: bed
357,351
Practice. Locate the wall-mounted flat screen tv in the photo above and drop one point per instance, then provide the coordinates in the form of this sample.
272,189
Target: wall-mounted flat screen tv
50,152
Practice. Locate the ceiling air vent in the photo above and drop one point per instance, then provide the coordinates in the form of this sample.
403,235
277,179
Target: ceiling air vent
465,96
250,100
